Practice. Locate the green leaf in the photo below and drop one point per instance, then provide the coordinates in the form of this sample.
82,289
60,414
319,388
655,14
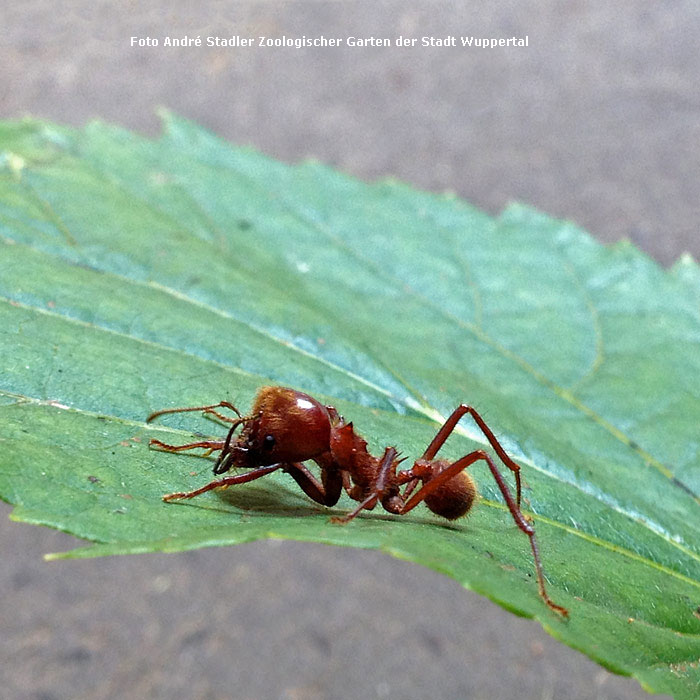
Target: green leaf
137,275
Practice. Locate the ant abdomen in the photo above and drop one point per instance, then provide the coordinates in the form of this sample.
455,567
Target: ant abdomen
455,497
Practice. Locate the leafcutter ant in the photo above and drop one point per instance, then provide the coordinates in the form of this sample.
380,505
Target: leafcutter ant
286,427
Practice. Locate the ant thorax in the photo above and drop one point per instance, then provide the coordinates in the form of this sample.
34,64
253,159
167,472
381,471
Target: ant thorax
350,453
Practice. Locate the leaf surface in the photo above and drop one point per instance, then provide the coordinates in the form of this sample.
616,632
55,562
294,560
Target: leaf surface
137,275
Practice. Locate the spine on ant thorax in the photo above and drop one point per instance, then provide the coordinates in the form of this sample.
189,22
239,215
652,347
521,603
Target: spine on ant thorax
350,452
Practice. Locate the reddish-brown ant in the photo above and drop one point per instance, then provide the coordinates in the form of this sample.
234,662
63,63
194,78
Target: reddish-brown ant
287,427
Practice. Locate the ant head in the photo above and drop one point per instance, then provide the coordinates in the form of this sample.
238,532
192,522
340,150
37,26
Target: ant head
455,497
284,426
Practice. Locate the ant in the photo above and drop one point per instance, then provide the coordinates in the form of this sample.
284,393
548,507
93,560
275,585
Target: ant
287,427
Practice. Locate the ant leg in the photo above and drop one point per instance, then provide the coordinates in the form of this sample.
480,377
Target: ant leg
368,504
206,409
326,492
210,445
451,423
226,481
221,416
514,509
385,467
347,482
411,482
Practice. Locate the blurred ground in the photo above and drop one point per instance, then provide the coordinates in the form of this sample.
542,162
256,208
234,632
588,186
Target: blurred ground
596,121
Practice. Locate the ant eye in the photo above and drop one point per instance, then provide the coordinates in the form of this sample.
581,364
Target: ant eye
269,442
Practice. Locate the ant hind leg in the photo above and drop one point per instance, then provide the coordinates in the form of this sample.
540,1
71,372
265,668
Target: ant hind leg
514,508
451,423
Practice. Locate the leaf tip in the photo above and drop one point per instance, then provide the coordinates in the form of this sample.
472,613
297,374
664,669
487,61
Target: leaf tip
686,264
165,114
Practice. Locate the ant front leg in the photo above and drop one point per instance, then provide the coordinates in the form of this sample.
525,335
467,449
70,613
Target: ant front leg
209,445
207,409
252,475
451,423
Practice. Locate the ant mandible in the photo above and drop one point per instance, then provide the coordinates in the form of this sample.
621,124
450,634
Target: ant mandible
287,427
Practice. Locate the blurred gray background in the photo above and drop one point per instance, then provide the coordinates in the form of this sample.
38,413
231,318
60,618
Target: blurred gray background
596,121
